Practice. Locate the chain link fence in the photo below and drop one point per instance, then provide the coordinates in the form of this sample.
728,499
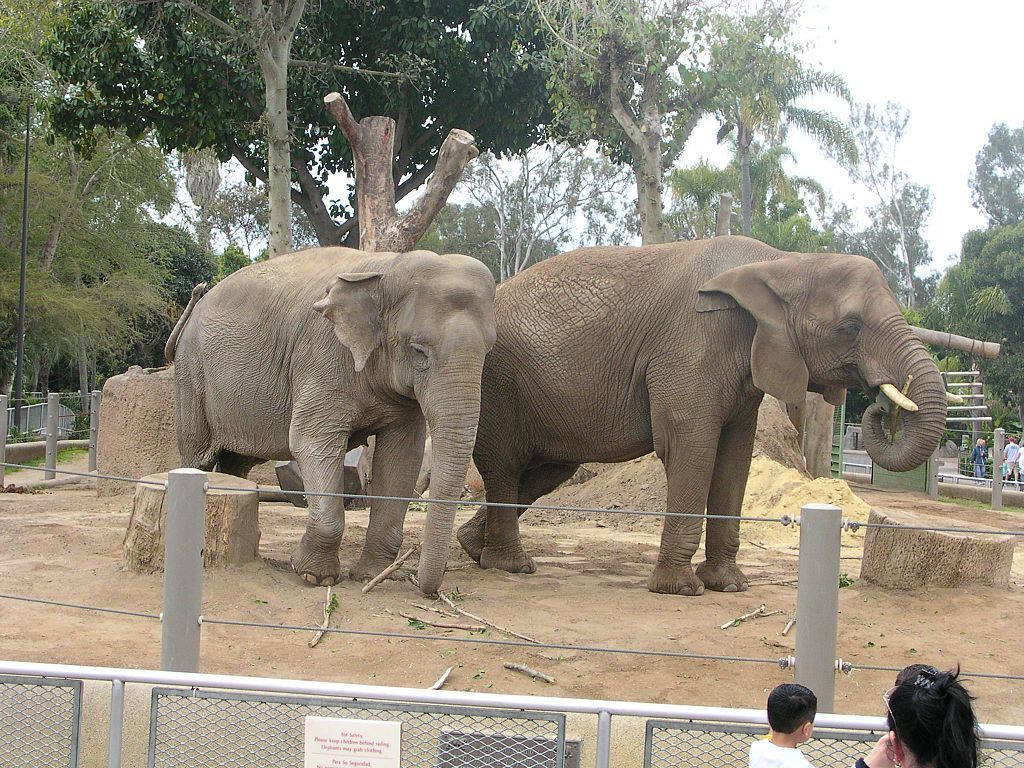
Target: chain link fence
190,728
676,744
39,722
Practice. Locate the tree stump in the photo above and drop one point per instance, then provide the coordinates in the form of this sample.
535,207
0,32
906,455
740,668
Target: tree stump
232,524
908,558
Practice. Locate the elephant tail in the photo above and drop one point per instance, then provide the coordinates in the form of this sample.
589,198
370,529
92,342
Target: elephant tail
172,341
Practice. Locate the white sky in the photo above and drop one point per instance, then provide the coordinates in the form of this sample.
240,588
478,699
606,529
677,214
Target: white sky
957,67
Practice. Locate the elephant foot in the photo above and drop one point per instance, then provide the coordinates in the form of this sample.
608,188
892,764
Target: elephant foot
675,581
317,568
370,566
511,560
471,537
722,576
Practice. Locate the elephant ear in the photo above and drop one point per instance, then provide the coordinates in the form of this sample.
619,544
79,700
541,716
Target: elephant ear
352,306
775,362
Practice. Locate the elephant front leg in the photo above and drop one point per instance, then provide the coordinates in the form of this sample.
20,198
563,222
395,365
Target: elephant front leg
688,461
728,482
316,557
397,457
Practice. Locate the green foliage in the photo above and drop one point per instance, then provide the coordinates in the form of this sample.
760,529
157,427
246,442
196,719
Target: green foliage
997,184
231,260
159,67
983,297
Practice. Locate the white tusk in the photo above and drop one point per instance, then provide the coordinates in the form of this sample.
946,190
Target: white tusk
952,399
898,398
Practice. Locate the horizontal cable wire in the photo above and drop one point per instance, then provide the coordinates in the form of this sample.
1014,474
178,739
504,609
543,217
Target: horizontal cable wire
510,505
487,641
42,601
990,675
133,480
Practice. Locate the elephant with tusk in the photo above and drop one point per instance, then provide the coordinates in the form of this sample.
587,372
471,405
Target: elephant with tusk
605,354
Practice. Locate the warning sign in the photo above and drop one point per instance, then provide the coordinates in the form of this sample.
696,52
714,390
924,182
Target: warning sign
333,742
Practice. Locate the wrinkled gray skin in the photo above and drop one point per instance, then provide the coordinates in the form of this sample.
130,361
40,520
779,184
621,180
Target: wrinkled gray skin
260,375
605,354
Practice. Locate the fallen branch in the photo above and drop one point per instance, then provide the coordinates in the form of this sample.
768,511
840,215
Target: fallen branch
387,571
448,601
329,607
422,607
442,680
760,612
535,674
789,625
441,625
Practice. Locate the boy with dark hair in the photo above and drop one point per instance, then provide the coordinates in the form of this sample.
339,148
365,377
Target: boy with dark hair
791,711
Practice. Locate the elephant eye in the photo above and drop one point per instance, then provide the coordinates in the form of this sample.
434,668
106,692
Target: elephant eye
420,356
848,328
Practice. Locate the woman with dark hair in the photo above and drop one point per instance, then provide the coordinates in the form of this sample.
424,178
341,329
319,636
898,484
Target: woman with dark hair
931,723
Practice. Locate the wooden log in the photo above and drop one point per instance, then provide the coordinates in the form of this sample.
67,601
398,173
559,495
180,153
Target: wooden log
232,524
906,557
973,347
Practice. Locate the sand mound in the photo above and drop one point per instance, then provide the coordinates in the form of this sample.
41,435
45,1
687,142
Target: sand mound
772,491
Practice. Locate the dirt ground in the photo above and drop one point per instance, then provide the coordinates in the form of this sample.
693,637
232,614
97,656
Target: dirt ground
65,544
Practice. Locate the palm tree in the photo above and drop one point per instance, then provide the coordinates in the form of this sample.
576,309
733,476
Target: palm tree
765,82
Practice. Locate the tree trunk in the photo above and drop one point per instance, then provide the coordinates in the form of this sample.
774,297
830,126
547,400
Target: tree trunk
372,140
743,139
722,224
83,373
274,66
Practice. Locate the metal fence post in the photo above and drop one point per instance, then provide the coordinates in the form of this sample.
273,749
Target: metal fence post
94,427
52,432
817,601
116,724
3,436
185,529
932,476
604,739
998,457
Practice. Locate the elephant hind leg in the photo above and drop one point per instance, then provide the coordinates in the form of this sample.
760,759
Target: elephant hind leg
231,463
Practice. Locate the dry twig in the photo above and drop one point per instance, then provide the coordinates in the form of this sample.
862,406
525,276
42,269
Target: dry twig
537,675
789,626
448,601
329,606
760,612
440,625
442,680
387,571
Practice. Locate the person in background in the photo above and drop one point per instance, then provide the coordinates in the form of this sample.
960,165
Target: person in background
979,458
791,711
931,723
1012,467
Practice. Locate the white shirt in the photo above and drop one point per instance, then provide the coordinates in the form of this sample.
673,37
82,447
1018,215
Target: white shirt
1012,453
764,754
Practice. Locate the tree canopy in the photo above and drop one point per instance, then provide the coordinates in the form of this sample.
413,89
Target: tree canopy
997,184
166,67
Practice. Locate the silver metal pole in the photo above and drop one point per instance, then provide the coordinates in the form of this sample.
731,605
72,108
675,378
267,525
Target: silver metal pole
185,529
94,427
3,436
19,356
998,456
817,601
116,724
932,478
52,430
604,739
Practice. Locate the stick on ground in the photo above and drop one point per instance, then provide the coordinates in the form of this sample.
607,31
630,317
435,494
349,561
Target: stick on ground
387,571
442,680
440,625
329,607
789,626
760,612
537,675
448,601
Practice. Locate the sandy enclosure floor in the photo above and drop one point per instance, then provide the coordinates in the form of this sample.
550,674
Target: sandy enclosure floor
65,544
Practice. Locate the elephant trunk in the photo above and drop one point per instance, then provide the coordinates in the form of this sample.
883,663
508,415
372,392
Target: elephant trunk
452,418
898,439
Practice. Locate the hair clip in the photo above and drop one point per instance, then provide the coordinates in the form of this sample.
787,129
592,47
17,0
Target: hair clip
926,677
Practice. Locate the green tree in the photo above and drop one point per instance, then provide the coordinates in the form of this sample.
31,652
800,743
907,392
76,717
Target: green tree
231,260
765,81
166,67
997,184
983,297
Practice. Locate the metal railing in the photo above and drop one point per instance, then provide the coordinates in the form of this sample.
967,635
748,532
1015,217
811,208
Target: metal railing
222,720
